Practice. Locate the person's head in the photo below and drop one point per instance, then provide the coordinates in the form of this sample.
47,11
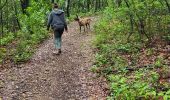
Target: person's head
55,5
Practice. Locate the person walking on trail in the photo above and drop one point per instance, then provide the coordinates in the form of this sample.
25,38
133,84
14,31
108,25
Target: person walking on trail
57,21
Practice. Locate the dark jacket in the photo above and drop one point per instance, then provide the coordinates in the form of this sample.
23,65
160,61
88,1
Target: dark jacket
56,19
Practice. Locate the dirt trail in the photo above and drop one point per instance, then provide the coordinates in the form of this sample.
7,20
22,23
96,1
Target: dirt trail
49,77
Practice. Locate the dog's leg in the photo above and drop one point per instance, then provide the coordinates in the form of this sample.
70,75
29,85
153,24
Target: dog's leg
80,29
89,26
84,28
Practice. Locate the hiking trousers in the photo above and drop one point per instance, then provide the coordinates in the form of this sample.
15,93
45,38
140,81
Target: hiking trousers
58,37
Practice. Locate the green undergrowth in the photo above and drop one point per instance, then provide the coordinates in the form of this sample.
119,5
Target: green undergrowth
27,45
19,46
118,60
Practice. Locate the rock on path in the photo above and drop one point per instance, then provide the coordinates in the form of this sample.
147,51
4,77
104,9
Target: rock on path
50,77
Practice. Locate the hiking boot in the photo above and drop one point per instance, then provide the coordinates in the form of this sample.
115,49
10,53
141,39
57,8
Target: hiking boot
59,51
55,52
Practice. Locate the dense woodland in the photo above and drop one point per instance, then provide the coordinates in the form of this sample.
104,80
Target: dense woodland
132,41
11,11
23,23
132,44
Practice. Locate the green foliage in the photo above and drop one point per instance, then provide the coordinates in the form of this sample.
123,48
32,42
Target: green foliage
33,31
167,37
2,54
127,48
117,58
149,52
23,52
159,62
140,85
7,39
123,89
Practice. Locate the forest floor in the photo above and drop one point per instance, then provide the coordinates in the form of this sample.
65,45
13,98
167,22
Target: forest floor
51,77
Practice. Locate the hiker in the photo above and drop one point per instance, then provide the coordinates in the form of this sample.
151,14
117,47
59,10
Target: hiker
57,21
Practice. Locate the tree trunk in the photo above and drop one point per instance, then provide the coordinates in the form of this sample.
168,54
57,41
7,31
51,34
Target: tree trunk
131,21
52,1
96,5
1,22
118,3
24,5
88,5
16,14
1,9
167,4
68,8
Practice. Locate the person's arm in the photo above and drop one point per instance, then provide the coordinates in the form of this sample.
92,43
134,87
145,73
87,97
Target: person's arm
65,23
50,18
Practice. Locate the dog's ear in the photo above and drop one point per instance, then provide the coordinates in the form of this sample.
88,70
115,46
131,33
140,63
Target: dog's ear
75,19
77,16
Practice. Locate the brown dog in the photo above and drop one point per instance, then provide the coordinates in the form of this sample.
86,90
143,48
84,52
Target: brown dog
85,22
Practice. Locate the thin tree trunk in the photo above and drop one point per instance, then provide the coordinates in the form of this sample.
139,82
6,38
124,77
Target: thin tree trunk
99,4
3,5
167,4
68,8
24,5
131,21
52,1
16,14
88,5
1,9
7,17
1,22
96,5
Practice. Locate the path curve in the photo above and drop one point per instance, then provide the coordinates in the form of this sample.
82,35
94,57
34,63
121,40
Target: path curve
49,77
